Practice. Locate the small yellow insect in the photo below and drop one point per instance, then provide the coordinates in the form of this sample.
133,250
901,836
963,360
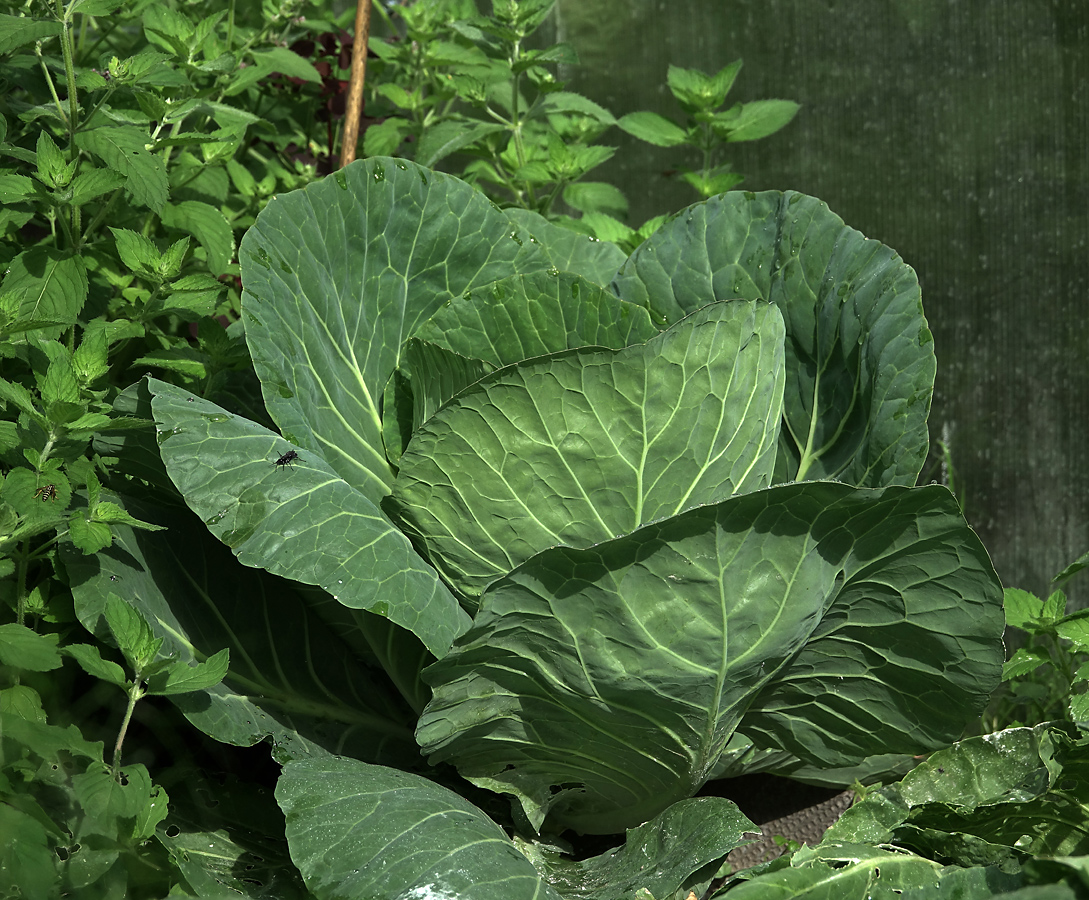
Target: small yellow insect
46,492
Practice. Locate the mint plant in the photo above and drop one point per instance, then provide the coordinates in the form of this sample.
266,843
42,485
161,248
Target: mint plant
1046,677
454,82
83,824
708,128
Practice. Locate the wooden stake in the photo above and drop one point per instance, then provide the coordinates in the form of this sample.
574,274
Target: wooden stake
353,107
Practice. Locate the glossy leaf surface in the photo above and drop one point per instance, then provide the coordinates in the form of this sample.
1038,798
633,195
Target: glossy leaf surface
583,446
603,684
340,274
859,355
298,519
364,831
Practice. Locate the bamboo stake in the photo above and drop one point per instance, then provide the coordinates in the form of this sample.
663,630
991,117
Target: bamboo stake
354,105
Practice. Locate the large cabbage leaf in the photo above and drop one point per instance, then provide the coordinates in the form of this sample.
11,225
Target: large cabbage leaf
601,685
859,355
583,446
339,275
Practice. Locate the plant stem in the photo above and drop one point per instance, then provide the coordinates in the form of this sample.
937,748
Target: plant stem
20,582
73,102
134,695
808,457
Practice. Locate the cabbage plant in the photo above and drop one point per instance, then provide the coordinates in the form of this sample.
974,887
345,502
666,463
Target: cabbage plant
579,531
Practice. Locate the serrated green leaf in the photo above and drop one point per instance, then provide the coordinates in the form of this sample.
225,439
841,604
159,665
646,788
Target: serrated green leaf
383,138
20,397
1054,606
16,188
123,149
184,360
398,96
132,632
25,649
15,31
567,101
1075,628
155,810
92,183
1024,661
697,90
1022,608
208,225
27,864
286,62
106,801
91,358
450,136
60,385
595,196
171,262
53,286
180,678
90,660
136,251
653,128
89,537
761,118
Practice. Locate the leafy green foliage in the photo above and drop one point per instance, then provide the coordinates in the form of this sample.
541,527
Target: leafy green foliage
130,161
708,127
456,386
489,492
454,86
1045,678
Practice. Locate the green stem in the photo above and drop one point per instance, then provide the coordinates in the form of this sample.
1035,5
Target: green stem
20,581
517,123
134,695
808,457
67,51
100,216
49,83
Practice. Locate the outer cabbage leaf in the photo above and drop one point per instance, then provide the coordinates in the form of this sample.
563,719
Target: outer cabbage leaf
295,679
517,318
598,261
998,798
531,315
859,355
601,685
299,520
678,850
583,446
836,871
373,833
338,275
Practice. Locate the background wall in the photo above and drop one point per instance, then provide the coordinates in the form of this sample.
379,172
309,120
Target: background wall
957,132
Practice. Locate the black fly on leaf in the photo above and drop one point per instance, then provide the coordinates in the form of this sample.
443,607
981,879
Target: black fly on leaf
287,459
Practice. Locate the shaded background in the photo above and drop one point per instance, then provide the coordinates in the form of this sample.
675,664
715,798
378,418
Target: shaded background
955,131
